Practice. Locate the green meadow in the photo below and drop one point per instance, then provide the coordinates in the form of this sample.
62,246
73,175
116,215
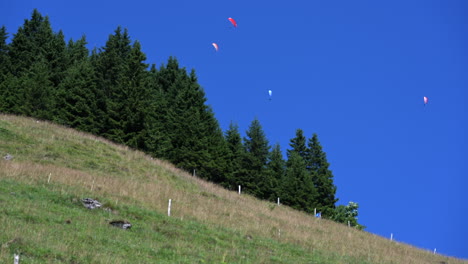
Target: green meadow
53,168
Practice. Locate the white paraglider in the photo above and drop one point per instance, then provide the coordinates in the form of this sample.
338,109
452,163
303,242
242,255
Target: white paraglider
215,46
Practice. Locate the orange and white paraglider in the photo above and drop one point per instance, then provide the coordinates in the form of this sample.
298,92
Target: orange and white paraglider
233,22
215,46
425,100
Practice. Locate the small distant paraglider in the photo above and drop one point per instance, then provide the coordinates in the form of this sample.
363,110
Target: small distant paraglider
233,22
270,93
425,100
215,46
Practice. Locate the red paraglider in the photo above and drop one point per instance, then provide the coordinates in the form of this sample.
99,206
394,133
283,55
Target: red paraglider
425,100
233,22
215,46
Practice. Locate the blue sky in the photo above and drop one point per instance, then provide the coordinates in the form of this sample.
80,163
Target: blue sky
354,72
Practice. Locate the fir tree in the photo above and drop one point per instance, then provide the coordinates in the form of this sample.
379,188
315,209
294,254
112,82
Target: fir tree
298,144
10,94
110,66
100,94
163,86
4,58
56,57
199,135
28,43
156,137
136,104
255,160
236,154
76,51
196,140
35,41
77,95
36,53
35,93
322,177
6,91
298,190
276,167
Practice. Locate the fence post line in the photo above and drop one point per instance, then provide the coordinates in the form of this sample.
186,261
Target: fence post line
169,208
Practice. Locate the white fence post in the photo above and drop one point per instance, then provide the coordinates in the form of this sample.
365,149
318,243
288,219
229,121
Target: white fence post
16,259
349,224
169,208
48,180
239,189
278,201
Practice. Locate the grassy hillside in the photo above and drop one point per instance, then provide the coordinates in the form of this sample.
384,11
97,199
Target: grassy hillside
53,168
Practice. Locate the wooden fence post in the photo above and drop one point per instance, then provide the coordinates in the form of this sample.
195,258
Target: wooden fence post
169,208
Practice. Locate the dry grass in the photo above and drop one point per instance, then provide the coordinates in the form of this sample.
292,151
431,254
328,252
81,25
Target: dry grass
124,174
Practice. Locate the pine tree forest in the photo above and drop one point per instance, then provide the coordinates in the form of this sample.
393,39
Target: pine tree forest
111,92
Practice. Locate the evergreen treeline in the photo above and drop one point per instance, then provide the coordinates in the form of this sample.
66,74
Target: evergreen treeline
113,93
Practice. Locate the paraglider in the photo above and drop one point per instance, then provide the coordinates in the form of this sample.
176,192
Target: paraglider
233,22
215,46
270,93
425,100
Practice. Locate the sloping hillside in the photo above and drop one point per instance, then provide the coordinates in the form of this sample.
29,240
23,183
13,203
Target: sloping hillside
52,168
